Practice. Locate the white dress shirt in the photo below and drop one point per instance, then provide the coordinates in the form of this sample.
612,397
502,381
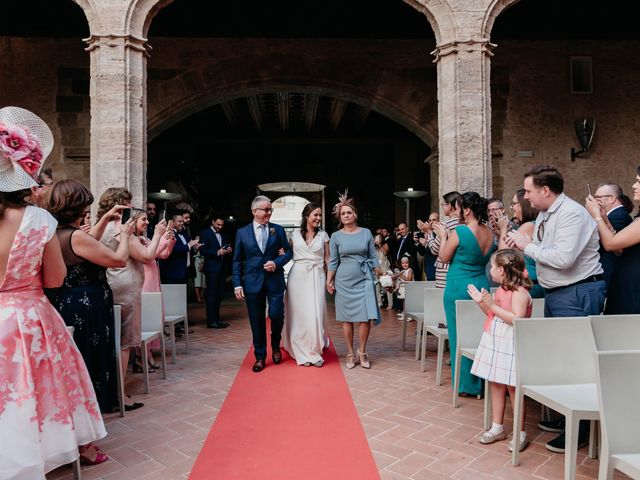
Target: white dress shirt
257,231
568,251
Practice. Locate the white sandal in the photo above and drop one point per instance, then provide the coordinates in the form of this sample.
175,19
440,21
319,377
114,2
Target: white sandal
487,437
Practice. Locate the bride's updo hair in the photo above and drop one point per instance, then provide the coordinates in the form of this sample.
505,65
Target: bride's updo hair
309,207
474,202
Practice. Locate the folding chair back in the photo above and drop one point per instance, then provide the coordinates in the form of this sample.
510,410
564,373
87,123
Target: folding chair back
434,307
618,393
175,299
469,323
413,297
616,332
554,351
152,312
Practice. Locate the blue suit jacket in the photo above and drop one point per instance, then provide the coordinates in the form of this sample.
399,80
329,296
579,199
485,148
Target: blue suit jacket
213,262
248,260
175,265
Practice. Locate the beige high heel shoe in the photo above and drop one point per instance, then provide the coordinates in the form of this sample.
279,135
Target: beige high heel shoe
364,359
352,360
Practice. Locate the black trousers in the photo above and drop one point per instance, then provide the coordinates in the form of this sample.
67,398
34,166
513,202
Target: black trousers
256,305
215,288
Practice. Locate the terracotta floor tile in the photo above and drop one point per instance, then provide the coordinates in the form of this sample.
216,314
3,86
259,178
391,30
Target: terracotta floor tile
413,430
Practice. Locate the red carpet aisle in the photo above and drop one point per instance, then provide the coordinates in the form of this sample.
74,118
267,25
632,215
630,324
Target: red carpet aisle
287,422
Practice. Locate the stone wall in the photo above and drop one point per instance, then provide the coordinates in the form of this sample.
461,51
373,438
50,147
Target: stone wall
532,109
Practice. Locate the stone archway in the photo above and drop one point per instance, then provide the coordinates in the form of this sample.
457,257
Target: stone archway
408,103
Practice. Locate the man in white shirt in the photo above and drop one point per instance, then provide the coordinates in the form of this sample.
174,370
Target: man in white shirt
565,247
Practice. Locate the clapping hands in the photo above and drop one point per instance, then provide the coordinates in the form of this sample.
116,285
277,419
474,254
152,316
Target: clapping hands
479,296
440,230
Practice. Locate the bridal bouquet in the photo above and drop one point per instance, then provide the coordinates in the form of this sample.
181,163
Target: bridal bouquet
386,282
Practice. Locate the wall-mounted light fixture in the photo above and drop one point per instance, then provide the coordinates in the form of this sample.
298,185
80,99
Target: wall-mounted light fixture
585,128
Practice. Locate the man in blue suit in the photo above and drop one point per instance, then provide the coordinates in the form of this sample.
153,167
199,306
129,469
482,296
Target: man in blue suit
258,277
215,248
173,269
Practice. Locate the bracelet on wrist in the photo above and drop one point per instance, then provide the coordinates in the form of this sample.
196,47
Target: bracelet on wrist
599,219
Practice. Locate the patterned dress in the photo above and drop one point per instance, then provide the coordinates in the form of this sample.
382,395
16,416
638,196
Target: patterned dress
47,403
85,303
495,359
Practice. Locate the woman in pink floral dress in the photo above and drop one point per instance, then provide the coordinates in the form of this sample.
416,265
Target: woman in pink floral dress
47,403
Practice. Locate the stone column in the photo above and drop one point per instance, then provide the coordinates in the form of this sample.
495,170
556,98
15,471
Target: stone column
118,93
464,116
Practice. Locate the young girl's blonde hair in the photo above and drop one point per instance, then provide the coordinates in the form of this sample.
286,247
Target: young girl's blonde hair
515,273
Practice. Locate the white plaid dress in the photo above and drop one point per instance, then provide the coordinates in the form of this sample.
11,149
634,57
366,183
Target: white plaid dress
495,360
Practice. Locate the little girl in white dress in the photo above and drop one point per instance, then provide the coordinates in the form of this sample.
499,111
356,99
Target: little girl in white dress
495,358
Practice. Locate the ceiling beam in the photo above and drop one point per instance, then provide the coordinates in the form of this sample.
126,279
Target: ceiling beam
310,110
255,111
337,111
283,110
229,111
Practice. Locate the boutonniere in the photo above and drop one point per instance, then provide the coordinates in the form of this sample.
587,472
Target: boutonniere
272,231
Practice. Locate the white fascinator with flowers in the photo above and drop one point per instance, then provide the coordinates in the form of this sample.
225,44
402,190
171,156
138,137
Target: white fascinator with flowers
25,143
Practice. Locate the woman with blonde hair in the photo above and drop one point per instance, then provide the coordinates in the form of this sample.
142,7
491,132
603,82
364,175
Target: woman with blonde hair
351,277
127,282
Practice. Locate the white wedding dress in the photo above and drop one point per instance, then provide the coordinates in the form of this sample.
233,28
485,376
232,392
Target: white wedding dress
305,331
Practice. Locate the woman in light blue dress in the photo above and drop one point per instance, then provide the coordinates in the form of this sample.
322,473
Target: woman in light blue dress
353,265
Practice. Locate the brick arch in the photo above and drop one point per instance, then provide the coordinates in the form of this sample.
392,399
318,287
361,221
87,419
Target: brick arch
174,100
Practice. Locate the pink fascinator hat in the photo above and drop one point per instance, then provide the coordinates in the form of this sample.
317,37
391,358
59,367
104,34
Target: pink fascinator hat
25,143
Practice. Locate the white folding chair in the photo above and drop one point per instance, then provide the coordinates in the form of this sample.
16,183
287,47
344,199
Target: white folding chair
537,309
413,303
152,328
618,394
469,327
433,316
77,469
174,297
555,366
117,330
616,332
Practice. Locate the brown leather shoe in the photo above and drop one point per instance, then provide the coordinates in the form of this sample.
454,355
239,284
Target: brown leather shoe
276,356
258,366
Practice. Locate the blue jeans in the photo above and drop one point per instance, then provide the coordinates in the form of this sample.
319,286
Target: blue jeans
579,300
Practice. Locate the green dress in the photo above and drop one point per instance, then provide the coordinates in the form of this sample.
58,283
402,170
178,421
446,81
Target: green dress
467,266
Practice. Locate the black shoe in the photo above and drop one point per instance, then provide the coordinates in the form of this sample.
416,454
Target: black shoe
133,406
276,356
258,366
557,444
217,325
554,426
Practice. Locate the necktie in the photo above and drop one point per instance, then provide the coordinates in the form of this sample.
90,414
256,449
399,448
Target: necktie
263,238
400,248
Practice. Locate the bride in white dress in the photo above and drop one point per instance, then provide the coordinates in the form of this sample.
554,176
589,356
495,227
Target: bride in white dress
305,332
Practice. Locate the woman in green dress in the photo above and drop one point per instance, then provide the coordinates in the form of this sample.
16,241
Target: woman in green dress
467,249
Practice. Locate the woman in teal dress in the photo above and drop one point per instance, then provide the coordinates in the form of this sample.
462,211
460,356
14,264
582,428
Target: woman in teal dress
526,216
467,248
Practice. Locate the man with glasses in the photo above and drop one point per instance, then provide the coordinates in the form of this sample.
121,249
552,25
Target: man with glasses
609,197
565,247
258,277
